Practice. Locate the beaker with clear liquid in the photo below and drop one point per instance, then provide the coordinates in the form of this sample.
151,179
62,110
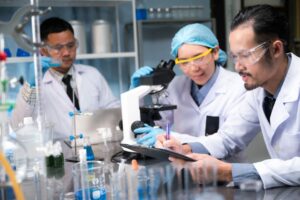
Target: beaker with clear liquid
89,180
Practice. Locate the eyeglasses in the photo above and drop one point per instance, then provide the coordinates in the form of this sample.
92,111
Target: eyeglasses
199,59
251,56
58,48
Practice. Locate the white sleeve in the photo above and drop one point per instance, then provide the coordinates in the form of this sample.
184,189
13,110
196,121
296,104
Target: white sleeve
24,107
276,172
107,99
185,138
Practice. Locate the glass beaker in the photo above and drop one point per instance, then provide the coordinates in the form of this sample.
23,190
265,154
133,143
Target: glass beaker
15,153
89,180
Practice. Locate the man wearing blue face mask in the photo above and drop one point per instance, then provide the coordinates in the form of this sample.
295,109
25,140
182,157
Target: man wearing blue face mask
204,94
65,85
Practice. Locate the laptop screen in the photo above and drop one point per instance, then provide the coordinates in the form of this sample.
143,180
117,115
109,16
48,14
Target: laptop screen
99,125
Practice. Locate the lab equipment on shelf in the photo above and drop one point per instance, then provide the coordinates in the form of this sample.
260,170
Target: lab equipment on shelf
101,36
141,11
176,12
79,33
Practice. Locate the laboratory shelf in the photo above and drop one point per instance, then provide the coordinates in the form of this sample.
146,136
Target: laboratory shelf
172,20
65,3
79,57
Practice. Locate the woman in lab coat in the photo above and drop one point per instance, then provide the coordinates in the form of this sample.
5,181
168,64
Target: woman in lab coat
273,78
89,86
206,92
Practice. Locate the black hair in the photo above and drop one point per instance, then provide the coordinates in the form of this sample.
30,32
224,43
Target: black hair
54,25
267,22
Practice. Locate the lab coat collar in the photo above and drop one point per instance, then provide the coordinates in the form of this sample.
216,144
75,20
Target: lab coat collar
48,78
285,96
49,81
218,88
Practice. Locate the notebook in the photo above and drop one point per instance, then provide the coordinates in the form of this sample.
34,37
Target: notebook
161,154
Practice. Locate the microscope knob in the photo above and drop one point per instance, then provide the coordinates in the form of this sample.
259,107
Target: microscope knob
137,124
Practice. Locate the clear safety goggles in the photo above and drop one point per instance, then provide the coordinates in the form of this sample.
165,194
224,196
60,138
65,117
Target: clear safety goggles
71,46
251,56
198,59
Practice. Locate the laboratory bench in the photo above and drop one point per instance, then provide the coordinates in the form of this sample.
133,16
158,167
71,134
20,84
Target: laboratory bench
59,185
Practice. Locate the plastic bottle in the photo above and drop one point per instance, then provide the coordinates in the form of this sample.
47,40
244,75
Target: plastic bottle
30,136
141,11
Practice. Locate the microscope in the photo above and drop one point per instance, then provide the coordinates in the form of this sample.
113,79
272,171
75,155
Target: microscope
134,115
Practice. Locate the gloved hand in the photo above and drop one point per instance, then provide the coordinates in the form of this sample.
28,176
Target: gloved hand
46,63
134,82
150,132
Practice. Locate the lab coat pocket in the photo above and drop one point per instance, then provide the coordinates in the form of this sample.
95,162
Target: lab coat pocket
212,125
289,146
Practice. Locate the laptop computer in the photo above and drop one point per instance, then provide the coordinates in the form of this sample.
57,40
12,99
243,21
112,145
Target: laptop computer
100,125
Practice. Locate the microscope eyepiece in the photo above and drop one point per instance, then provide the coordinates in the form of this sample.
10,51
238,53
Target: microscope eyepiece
170,64
161,64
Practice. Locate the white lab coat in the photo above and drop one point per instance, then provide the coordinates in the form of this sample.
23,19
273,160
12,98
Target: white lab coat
93,93
189,118
282,137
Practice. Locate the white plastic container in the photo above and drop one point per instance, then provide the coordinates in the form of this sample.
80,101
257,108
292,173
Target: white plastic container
101,35
31,138
79,33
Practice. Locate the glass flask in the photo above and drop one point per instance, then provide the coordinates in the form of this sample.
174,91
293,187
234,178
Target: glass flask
15,153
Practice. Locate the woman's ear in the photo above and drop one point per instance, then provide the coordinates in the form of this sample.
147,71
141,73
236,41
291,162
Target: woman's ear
216,53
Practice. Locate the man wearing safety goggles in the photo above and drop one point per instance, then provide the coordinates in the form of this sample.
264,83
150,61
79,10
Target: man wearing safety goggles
272,105
205,94
66,86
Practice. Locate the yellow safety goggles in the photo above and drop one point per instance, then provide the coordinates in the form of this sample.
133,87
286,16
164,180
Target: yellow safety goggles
181,61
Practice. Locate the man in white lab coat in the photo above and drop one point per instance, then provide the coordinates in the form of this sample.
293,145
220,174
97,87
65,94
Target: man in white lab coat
257,42
86,87
206,92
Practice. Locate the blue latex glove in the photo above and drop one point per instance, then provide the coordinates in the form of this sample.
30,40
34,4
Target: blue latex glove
143,71
149,138
46,63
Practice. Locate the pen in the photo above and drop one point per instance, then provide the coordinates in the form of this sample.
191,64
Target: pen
168,131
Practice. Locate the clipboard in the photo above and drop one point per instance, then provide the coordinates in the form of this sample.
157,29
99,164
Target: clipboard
161,154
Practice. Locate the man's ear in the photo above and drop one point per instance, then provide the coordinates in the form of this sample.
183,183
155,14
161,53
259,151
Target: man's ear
278,48
44,51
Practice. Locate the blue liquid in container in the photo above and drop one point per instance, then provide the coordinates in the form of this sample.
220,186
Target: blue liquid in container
94,192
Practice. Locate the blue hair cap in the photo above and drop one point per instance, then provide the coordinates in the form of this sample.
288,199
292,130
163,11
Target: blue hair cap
196,34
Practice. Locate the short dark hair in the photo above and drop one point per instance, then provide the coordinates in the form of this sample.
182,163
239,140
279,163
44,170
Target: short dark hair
267,22
54,25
